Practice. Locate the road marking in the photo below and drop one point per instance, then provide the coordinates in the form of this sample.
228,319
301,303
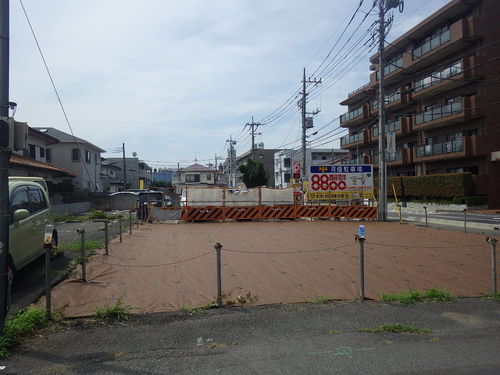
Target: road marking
342,350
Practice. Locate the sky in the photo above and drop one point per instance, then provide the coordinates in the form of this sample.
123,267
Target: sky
174,80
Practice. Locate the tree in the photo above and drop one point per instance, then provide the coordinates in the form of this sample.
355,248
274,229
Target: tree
253,173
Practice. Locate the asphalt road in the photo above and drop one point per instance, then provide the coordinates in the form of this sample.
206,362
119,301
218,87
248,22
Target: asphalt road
280,339
29,282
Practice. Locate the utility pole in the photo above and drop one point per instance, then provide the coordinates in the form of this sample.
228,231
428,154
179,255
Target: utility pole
384,6
231,157
253,127
305,124
124,168
4,160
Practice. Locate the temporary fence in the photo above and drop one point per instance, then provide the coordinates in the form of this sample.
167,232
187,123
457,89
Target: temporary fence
361,260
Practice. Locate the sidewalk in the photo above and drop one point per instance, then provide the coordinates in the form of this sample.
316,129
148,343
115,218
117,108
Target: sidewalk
281,339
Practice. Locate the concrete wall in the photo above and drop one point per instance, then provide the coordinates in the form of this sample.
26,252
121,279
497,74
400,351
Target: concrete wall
71,208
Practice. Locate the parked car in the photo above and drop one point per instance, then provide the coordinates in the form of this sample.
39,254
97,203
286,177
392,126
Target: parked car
29,212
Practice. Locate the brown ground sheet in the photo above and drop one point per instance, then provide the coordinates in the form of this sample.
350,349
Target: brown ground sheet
325,263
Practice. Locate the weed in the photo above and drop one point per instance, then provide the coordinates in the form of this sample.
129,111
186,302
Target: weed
437,294
494,296
196,310
20,326
396,328
59,218
90,246
413,296
246,298
119,312
323,299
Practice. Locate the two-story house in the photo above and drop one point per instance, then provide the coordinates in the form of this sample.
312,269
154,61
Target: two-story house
77,155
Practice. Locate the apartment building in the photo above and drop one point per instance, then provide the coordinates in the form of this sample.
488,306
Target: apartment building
442,98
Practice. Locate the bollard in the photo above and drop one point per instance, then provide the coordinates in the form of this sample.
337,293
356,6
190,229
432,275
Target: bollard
48,298
130,221
400,213
465,220
136,219
361,238
82,250
120,226
493,242
218,247
106,236
426,224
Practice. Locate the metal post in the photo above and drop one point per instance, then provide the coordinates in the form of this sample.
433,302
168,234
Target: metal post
218,247
382,172
493,242
425,209
4,162
48,300
106,236
303,108
130,221
120,226
82,253
361,269
124,168
465,220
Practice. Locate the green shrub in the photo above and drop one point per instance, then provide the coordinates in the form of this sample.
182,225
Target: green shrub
96,214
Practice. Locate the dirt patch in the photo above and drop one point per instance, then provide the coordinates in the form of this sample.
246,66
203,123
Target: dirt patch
163,267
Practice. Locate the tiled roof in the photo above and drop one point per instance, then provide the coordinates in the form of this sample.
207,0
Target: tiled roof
25,162
64,137
197,168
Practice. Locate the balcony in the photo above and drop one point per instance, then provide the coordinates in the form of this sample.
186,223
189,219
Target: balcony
358,95
445,114
353,140
365,159
403,156
400,126
353,117
445,79
442,43
464,147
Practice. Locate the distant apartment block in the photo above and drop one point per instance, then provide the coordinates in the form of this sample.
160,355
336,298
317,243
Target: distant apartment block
442,98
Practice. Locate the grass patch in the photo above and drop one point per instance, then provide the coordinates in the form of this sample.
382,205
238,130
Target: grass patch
21,326
396,328
90,246
117,312
494,297
196,310
322,299
60,218
414,296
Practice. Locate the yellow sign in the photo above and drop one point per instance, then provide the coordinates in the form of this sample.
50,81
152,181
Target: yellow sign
141,184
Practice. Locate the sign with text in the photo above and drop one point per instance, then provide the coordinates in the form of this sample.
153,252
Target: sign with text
341,182
296,170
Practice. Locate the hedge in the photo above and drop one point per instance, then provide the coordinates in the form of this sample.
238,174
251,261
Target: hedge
450,185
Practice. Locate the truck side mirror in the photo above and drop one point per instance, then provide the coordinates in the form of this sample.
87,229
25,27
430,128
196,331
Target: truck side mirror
20,214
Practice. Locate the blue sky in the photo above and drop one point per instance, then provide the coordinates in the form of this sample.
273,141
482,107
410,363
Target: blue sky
173,80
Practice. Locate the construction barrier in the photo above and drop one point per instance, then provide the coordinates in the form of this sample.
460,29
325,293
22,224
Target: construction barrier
220,213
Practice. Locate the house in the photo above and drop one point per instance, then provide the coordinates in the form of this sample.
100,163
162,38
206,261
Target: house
138,175
109,177
283,160
263,155
77,155
195,174
441,94
33,161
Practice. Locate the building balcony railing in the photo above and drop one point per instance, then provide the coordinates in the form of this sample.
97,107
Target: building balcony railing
439,148
403,156
460,109
445,79
351,116
350,139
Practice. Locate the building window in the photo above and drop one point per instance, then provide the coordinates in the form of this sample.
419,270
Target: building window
96,159
48,156
75,154
440,36
287,162
42,152
209,177
192,178
393,64
287,177
32,151
87,157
